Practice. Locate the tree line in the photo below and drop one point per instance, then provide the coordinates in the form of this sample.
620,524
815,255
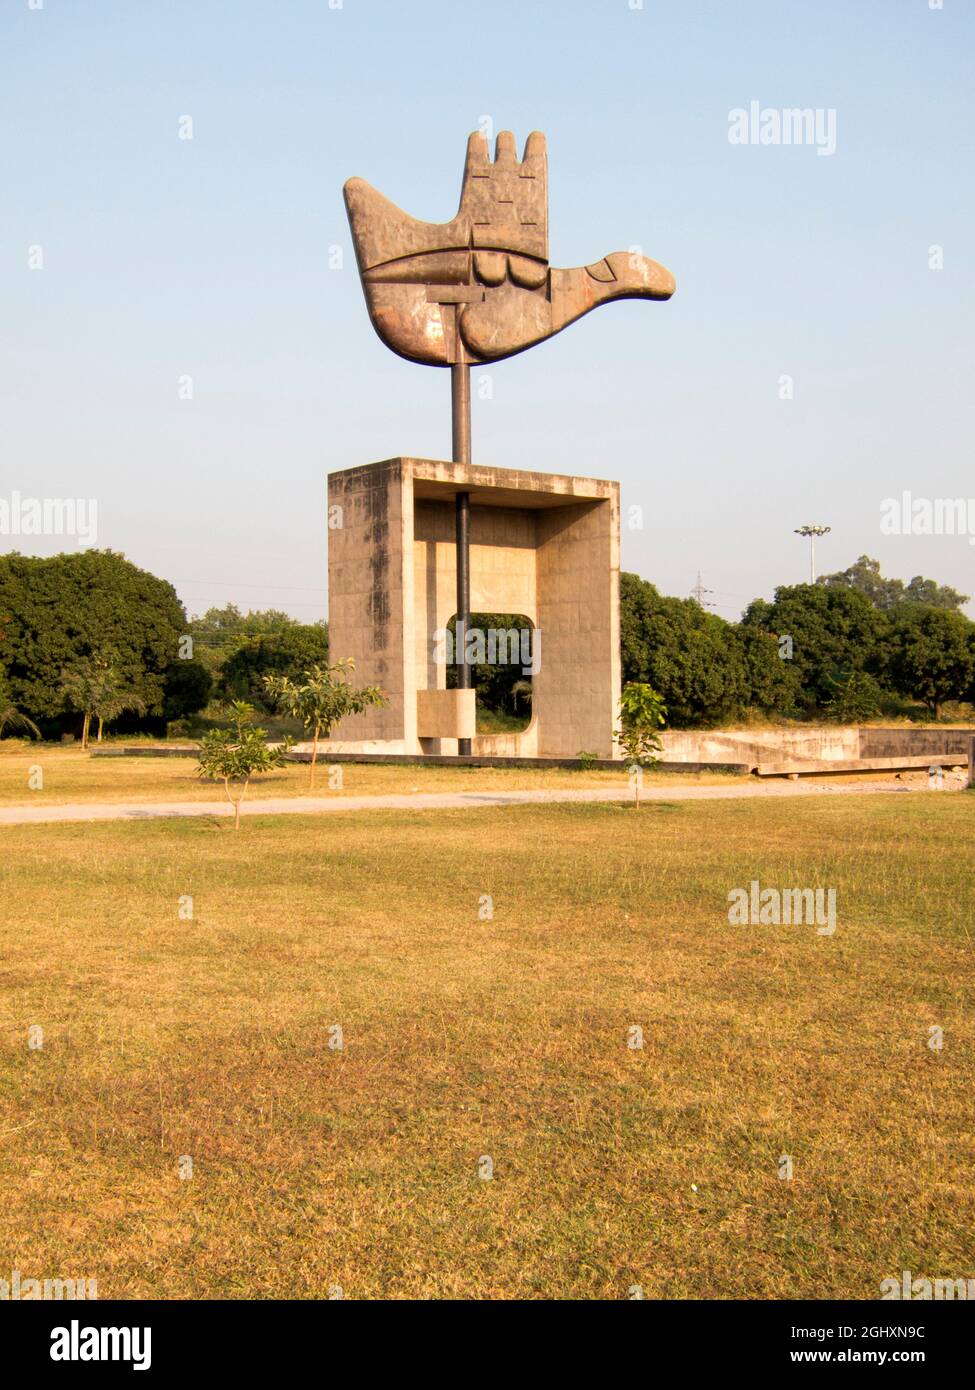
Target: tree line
90,641
847,648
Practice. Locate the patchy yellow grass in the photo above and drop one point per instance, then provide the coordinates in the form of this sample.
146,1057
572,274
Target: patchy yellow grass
71,776
463,1038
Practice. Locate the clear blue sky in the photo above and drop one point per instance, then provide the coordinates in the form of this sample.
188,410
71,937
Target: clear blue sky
165,257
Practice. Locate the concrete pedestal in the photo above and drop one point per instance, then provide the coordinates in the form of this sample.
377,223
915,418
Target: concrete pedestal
542,545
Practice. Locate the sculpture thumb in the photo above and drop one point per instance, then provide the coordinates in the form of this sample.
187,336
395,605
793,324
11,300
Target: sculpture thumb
513,320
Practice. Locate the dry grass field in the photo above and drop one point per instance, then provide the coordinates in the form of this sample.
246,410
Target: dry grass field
468,1037
71,776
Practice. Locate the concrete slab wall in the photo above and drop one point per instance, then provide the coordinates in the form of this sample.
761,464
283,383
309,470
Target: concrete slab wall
756,745
578,617
370,592
892,743
830,742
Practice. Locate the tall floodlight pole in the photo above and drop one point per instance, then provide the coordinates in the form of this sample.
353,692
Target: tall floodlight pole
812,532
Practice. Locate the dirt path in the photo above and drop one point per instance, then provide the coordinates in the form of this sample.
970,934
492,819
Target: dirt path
430,801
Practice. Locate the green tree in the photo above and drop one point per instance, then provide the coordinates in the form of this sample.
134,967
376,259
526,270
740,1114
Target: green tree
693,658
931,656
830,631
521,694
321,698
220,632
926,591
187,689
229,620
10,716
114,703
289,653
57,610
773,681
642,713
92,686
856,697
232,756
864,576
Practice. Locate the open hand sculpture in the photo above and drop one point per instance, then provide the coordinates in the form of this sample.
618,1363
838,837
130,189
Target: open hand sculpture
480,288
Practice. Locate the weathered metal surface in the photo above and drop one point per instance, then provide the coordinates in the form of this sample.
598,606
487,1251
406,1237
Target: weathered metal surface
479,288
462,504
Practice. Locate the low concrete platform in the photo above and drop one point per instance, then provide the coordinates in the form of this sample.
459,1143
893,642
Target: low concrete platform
301,755
452,760
909,763
147,751
797,767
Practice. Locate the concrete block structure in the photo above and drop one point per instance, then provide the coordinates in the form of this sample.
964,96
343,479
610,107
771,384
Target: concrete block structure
543,546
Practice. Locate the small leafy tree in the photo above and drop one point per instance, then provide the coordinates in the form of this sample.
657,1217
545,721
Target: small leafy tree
321,699
856,697
11,715
83,685
93,687
116,702
233,755
642,713
521,692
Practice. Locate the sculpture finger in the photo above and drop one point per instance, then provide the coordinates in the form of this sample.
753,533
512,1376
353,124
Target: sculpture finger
535,147
505,150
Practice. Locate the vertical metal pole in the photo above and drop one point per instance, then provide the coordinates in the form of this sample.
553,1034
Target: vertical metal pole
460,395
463,602
460,403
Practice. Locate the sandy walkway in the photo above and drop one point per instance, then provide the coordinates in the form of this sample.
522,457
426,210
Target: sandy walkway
430,801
